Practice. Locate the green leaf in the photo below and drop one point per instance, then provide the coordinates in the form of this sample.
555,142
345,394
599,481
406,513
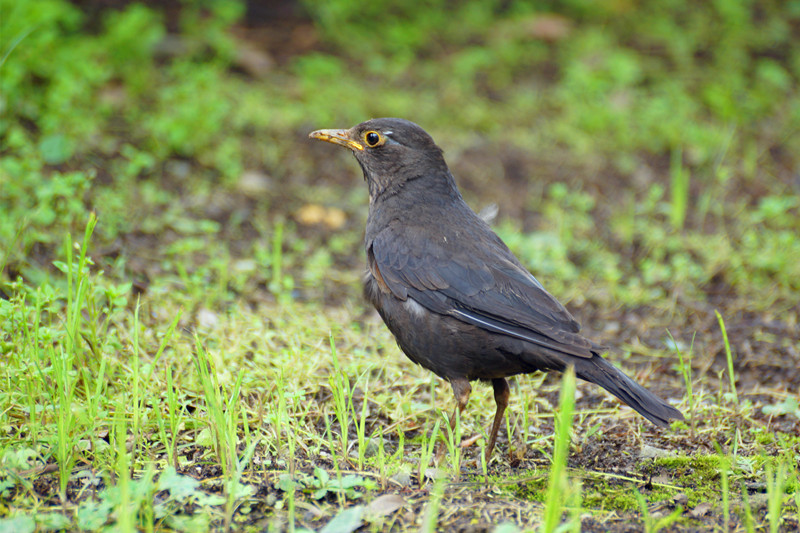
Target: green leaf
180,487
204,438
19,459
240,490
346,521
351,480
20,524
506,527
208,500
322,476
789,406
194,522
92,515
53,521
286,483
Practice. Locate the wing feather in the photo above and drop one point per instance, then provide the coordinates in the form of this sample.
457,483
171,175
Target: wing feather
483,286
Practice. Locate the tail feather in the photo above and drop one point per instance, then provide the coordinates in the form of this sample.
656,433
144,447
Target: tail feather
599,371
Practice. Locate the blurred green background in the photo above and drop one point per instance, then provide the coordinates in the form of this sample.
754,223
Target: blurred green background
648,145
669,127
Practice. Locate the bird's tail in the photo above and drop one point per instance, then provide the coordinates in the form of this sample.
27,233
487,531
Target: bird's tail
599,371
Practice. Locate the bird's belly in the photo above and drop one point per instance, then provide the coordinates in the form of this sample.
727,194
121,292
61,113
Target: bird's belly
444,345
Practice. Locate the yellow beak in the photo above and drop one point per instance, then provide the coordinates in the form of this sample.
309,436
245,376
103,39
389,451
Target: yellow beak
340,137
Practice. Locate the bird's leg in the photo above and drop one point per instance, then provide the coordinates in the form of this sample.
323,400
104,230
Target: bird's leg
501,394
461,391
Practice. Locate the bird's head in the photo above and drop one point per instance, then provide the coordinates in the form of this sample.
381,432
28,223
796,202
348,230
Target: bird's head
391,151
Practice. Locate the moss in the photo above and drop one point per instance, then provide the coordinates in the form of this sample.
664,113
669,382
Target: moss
699,476
764,438
698,462
534,490
611,498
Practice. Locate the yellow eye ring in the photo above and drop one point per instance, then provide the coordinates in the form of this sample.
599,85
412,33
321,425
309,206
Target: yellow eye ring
373,139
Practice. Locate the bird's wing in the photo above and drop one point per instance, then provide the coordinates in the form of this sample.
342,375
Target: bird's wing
476,281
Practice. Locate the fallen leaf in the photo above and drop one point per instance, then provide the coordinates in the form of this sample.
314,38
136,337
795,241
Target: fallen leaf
701,510
649,452
402,478
434,473
312,214
386,504
335,218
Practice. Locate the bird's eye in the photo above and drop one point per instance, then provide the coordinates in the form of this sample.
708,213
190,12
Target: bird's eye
373,139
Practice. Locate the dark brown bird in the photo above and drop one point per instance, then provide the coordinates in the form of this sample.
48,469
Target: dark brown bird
451,292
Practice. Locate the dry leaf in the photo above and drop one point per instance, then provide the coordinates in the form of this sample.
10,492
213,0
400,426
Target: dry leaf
386,504
312,214
701,510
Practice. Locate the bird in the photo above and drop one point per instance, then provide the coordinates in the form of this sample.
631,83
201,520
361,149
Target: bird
455,298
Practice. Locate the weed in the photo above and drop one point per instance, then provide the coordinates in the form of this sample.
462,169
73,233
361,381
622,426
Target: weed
652,525
223,412
728,357
429,517
725,487
342,398
686,371
776,484
560,491
452,440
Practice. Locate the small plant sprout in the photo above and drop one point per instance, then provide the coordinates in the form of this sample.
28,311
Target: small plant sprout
728,357
342,398
559,488
685,365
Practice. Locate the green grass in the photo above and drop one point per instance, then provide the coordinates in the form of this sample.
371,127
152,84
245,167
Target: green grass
182,350
561,491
